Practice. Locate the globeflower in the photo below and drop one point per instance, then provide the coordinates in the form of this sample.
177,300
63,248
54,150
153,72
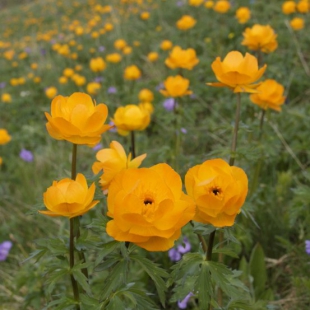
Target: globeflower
152,56
166,45
51,92
5,97
243,14
77,119
145,95
237,72
288,7
260,37
219,191
221,6
114,57
92,88
113,160
179,58
97,64
297,23
303,6
270,95
186,22
176,86
120,44
148,207
69,198
145,15
195,2
131,117
132,73
4,136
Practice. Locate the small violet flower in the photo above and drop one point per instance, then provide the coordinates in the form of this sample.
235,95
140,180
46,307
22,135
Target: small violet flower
175,254
169,104
5,248
183,303
101,48
307,244
2,85
26,155
185,246
112,90
184,130
97,147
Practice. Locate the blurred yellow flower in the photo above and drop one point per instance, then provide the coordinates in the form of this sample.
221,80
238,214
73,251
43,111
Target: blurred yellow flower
69,198
1,161
145,15
209,4
63,80
243,14
132,73
303,6
68,72
108,27
288,7
93,88
152,56
221,6
114,58
145,95
219,191
120,44
131,117
270,95
166,45
77,119
34,66
176,86
186,22
147,106
148,207
260,37
51,92
5,97
237,72
97,64
195,2
4,136
297,23
127,50
113,160
179,58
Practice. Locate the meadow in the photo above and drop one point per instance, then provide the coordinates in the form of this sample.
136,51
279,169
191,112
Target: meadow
150,67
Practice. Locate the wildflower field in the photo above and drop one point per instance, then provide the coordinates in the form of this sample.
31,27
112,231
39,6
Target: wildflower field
154,154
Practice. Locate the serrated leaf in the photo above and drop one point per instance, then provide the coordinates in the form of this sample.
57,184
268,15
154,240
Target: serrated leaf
204,286
56,275
37,254
105,250
203,229
226,251
82,280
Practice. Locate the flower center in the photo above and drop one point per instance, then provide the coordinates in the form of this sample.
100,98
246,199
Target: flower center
148,201
216,191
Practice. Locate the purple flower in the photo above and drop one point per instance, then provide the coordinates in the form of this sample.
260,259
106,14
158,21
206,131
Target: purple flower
97,147
307,244
169,104
112,90
101,48
5,249
184,130
98,79
174,255
186,248
180,3
2,85
26,155
43,51
183,303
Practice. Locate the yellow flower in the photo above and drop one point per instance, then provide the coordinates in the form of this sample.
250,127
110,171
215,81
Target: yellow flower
4,136
120,44
270,95
113,160
145,95
297,23
243,14
97,64
114,57
209,4
1,161
51,92
69,198
148,207
145,15
152,56
176,86
195,2
288,7
147,106
179,58
108,27
132,73
303,6
93,88
186,22
127,50
166,45
221,6
237,72
219,191
5,97
131,117
63,80
76,119
68,72
260,37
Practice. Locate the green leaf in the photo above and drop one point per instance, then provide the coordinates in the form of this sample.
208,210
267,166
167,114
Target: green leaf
115,304
155,273
204,286
203,229
257,269
37,254
105,250
82,280
89,303
226,251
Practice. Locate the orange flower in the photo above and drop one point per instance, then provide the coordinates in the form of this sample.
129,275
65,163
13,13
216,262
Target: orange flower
288,7
221,6
152,56
145,15
114,57
179,58
176,86
209,4
69,198
51,92
92,87
219,191
195,2
260,37
186,22
97,64
4,136
148,207
5,97
120,44
145,95
76,119
237,72
113,160
132,73
297,23
243,14
303,6
166,45
270,95
131,117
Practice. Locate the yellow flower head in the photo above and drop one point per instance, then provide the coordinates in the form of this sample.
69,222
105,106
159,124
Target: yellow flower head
114,57
176,86
97,64
145,95
297,23
5,97
131,117
92,87
179,58
288,7
69,198
51,92
76,119
152,56
113,160
68,72
195,2
270,95
145,15
132,73
260,37
237,72
120,44
209,4
166,45
243,14
219,191
147,106
186,22
148,207
221,6
4,136
303,6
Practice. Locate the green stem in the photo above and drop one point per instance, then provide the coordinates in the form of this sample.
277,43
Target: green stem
73,164
210,246
261,124
201,239
177,135
133,145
